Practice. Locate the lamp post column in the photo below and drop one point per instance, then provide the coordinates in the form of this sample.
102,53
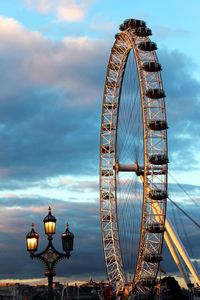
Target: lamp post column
50,287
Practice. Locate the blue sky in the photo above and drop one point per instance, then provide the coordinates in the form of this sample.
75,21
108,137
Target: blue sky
53,59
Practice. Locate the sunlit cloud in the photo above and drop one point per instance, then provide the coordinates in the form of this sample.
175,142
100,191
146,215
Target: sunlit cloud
65,10
71,13
43,6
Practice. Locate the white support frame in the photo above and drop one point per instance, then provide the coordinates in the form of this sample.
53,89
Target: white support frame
177,248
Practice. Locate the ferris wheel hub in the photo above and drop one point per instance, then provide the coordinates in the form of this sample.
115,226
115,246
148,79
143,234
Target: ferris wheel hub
126,167
139,170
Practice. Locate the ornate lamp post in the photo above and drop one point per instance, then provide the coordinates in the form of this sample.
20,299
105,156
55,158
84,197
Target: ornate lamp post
50,256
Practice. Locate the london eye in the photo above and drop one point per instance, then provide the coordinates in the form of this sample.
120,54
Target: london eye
133,161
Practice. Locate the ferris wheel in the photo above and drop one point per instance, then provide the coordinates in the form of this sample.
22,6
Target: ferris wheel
133,161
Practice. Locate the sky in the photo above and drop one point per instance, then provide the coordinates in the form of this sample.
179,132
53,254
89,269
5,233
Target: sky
53,60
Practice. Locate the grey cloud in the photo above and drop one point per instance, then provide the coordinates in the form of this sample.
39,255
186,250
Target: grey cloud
173,187
84,222
48,126
167,32
183,105
46,122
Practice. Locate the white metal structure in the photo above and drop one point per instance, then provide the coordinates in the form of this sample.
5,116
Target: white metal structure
134,102
182,251
177,249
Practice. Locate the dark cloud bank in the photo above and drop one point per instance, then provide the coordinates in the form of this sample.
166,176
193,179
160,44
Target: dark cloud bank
87,257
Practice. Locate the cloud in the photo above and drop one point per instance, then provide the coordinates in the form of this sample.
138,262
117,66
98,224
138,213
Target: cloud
43,6
182,105
45,118
65,10
84,222
47,123
79,185
71,13
166,32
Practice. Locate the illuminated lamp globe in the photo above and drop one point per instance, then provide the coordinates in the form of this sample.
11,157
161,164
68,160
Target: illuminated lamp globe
49,223
32,240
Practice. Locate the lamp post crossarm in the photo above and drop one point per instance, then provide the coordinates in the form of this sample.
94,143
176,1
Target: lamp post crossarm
50,257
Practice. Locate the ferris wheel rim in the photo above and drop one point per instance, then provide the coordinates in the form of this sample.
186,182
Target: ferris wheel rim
111,91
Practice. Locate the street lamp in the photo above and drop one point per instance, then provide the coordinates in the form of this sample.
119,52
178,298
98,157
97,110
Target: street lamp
32,240
50,256
49,224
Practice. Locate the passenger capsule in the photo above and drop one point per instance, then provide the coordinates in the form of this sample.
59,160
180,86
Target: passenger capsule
142,31
152,258
158,159
117,35
155,227
157,125
147,46
155,93
158,194
151,66
131,23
